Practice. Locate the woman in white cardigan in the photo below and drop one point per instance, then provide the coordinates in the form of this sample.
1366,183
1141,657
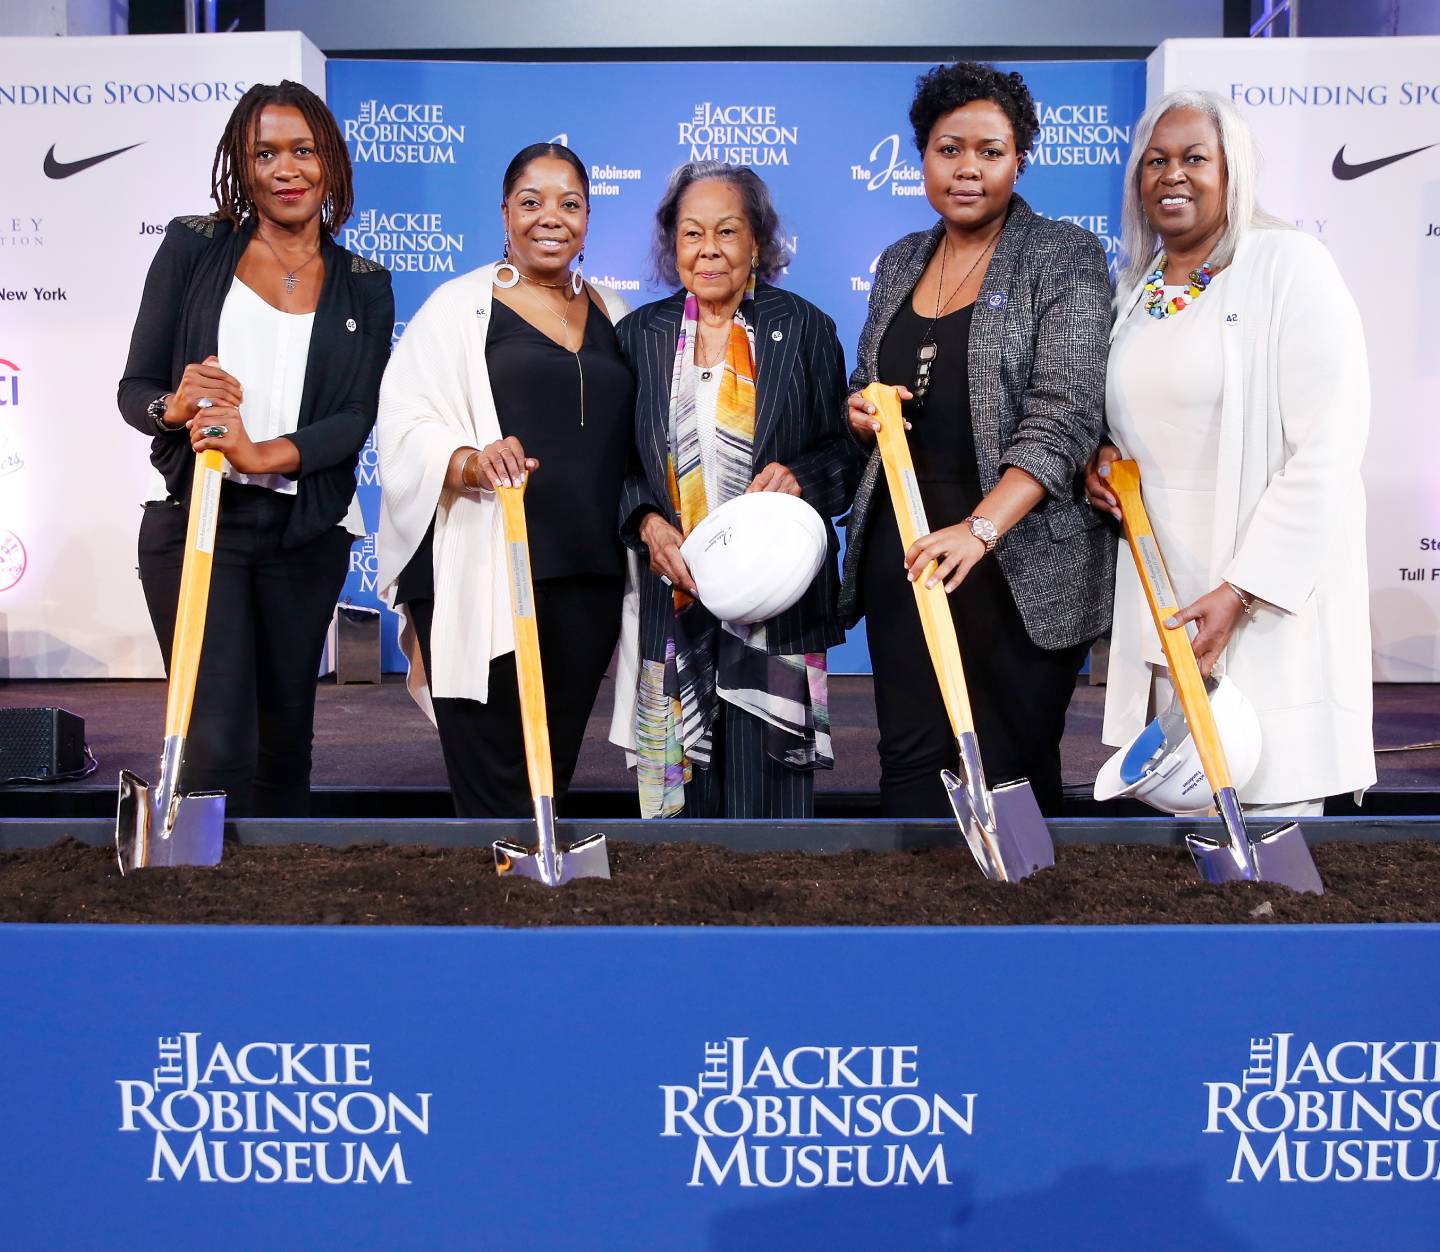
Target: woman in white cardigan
1238,382
509,372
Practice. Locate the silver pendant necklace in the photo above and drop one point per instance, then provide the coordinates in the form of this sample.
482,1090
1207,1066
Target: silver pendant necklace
291,276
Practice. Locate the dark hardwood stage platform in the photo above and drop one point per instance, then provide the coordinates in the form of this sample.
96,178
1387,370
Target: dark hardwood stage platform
376,755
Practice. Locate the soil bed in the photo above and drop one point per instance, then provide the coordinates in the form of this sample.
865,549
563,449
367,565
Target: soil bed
702,885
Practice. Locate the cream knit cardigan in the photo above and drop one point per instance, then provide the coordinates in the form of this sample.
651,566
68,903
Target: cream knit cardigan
1289,524
435,397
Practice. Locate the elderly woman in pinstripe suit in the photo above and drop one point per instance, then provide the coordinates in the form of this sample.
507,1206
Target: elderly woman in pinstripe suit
993,322
729,721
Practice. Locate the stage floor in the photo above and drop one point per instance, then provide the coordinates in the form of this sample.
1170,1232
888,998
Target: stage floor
373,739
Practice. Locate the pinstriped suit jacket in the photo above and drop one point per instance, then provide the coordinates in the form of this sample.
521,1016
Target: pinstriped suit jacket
1038,348
800,421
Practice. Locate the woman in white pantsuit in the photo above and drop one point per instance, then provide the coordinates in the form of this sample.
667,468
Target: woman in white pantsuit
1238,382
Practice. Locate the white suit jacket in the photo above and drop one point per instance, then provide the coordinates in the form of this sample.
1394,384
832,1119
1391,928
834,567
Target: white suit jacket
435,397
1289,524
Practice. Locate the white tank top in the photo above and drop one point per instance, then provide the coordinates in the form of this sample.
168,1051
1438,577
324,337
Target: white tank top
267,349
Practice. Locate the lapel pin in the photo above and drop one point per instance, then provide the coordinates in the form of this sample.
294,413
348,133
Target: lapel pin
996,300
776,335
350,323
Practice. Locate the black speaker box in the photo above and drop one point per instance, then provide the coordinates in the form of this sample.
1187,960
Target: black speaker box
40,744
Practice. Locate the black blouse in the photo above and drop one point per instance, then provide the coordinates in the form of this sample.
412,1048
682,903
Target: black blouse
572,500
942,442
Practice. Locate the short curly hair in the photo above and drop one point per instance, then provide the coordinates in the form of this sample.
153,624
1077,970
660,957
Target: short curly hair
949,87
772,256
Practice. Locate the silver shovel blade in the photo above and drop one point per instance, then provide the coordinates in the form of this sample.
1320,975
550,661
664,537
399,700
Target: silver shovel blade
1020,831
1017,831
191,832
587,859
1280,855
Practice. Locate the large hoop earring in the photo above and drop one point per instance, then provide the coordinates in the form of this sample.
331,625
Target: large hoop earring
505,283
577,279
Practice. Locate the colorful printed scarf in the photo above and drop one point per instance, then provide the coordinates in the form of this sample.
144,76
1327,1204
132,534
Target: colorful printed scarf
704,660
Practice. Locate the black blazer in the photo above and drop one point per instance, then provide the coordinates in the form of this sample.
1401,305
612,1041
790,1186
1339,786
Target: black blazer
800,421
179,324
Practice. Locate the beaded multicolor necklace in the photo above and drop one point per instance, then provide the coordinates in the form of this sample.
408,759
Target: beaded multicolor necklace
1155,303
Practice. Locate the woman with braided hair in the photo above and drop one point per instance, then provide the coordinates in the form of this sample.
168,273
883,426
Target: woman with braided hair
261,337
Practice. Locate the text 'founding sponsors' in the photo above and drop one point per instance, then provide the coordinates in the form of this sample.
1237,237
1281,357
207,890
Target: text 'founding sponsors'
198,91
270,1112
814,1116
738,134
1078,134
1354,1111
405,242
384,132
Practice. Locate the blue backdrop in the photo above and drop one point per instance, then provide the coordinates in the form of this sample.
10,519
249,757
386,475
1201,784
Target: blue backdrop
1210,1088
430,141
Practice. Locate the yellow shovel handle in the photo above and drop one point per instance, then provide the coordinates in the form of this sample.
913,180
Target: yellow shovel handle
534,723
1124,481
194,592
933,603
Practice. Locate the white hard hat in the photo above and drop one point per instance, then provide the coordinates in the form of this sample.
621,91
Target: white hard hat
754,556
1161,766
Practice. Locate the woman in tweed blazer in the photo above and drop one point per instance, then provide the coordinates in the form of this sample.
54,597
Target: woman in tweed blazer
994,323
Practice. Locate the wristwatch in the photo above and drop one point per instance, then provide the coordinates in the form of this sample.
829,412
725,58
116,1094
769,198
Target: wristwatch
156,412
984,530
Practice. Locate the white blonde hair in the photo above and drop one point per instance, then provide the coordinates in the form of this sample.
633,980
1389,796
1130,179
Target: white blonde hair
1139,243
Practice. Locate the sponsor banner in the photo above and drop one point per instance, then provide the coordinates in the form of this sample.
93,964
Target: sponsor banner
430,143
721,1088
1349,132
102,140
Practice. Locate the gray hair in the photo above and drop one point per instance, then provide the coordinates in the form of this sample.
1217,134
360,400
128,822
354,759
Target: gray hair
773,256
1139,243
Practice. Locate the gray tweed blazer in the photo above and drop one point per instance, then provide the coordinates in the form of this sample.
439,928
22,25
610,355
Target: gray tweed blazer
1038,345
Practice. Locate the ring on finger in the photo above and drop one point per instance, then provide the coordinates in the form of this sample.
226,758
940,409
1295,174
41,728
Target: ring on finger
204,402
213,432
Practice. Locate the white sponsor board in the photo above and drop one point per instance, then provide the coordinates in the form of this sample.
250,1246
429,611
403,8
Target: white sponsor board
1349,130
103,141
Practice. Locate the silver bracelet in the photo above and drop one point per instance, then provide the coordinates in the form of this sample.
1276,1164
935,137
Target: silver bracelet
1247,601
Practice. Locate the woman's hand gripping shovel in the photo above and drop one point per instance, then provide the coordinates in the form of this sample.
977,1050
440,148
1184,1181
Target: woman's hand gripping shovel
162,825
1281,855
545,862
1003,827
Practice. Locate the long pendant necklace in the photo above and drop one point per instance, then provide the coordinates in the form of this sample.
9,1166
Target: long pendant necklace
565,331
291,278
928,350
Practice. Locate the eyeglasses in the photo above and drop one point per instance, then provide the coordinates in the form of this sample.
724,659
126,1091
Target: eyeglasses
924,359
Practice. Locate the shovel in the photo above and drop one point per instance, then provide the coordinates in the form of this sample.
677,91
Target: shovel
164,826
1281,855
546,862
1003,827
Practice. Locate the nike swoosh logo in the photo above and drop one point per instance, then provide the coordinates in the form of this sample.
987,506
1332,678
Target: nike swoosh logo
1342,169
63,169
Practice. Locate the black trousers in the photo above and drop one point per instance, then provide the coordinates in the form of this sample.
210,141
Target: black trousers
483,744
254,718
1018,691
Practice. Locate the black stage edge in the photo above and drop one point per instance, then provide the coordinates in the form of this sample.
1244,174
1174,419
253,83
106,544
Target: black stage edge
737,836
